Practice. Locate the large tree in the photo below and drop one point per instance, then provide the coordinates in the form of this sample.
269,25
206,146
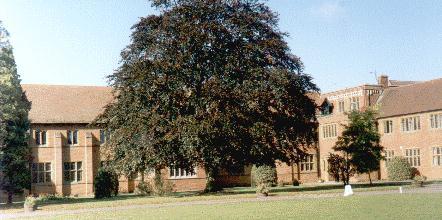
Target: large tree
359,144
14,124
208,83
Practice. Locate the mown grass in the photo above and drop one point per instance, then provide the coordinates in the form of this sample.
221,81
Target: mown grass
227,194
392,206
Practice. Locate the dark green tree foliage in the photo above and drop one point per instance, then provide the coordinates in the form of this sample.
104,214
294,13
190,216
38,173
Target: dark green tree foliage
208,83
105,184
14,124
359,142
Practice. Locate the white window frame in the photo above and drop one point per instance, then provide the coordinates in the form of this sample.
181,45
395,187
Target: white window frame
307,164
411,124
413,156
389,154
354,103
182,173
72,138
75,171
437,156
436,121
329,131
341,105
47,170
388,126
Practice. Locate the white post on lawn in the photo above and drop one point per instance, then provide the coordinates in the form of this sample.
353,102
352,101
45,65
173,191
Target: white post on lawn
400,189
348,191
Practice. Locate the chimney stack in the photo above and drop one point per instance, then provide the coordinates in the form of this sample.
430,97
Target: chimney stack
383,81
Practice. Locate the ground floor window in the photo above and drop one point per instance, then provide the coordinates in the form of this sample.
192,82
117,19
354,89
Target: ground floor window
389,154
176,172
41,172
72,171
437,156
413,156
307,163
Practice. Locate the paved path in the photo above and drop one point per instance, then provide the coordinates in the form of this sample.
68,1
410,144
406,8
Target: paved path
434,188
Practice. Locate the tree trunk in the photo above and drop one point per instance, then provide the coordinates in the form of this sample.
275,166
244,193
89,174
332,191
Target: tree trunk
369,178
10,196
211,185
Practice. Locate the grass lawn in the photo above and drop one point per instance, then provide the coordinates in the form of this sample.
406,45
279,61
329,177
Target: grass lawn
393,206
227,194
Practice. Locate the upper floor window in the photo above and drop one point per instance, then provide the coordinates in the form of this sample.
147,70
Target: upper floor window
341,106
307,163
411,123
413,155
40,137
329,131
104,136
73,171
41,172
437,156
388,126
72,137
354,103
436,120
326,108
176,172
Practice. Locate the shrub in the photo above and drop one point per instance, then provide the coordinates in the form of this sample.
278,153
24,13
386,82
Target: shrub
106,184
143,188
264,177
295,182
161,187
399,169
31,201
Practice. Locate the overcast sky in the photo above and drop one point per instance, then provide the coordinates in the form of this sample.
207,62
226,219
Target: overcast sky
342,43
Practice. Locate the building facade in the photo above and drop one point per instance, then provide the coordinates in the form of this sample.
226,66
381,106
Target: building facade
66,151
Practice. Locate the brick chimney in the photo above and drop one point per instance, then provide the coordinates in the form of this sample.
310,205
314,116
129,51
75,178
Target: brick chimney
383,81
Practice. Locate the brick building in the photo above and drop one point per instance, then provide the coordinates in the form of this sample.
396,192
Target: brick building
66,151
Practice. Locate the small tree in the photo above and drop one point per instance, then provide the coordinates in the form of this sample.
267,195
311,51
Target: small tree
340,168
264,177
359,143
106,184
399,169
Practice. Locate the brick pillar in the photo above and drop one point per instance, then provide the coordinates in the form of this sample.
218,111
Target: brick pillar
88,164
58,163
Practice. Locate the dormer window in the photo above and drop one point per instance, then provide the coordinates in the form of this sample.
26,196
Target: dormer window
326,108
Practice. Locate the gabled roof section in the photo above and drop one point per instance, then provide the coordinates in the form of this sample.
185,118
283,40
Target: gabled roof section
66,104
410,99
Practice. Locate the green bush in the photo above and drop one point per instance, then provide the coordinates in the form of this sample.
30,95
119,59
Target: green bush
143,188
105,184
399,169
264,177
160,186
295,182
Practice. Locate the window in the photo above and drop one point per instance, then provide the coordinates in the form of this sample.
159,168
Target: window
175,172
104,136
436,120
389,154
326,108
41,172
307,164
411,124
341,106
437,156
388,126
354,103
40,137
72,171
329,131
72,137
413,156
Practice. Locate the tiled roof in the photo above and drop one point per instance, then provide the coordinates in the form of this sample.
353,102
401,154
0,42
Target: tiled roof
414,98
66,104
